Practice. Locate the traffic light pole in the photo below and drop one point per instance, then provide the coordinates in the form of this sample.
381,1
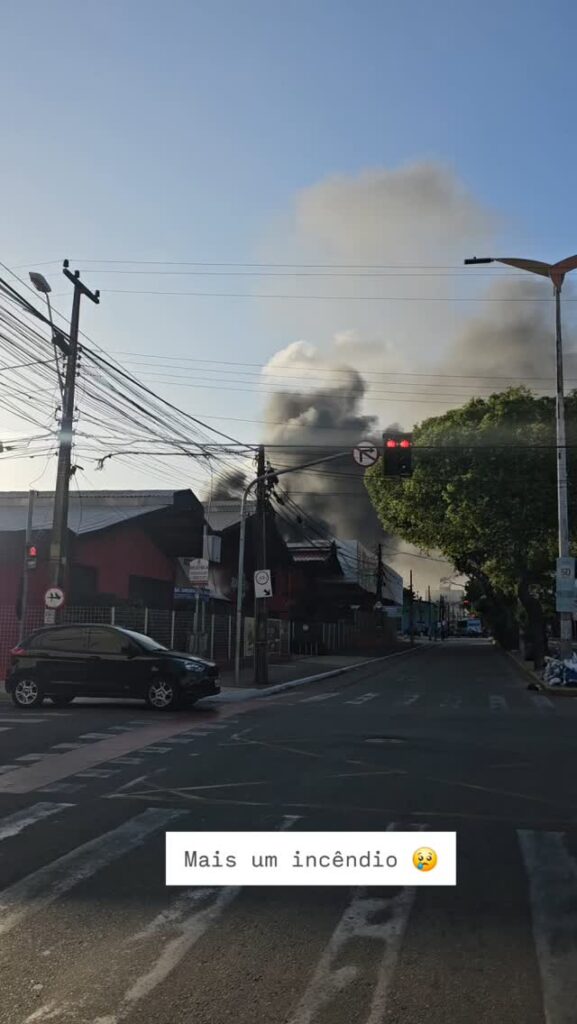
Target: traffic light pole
24,607
411,610
61,496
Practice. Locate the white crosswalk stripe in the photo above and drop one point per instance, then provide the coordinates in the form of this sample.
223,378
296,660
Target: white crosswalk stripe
23,721
14,824
43,887
552,876
452,703
172,933
497,702
318,697
362,699
542,703
146,952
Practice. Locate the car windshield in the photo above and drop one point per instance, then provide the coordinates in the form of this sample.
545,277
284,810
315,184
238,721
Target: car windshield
145,641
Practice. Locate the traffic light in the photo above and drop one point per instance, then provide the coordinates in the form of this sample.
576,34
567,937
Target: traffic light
31,556
398,455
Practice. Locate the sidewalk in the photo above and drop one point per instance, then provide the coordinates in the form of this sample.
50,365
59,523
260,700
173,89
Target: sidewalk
535,678
286,675
298,672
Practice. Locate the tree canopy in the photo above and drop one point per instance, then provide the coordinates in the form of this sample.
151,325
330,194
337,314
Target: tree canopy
484,490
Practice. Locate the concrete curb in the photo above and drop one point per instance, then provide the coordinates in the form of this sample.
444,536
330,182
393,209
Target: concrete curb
292,684
556,691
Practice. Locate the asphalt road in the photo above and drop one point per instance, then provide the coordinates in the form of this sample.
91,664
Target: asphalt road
447,737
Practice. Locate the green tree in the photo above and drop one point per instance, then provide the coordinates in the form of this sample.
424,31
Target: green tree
484,493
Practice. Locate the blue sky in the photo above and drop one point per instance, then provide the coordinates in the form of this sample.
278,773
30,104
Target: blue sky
191,131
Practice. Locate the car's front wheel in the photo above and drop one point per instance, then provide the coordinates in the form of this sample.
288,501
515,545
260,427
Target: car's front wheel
63,700
163,695
26,693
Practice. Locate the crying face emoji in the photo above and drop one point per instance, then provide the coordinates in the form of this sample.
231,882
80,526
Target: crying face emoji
424,859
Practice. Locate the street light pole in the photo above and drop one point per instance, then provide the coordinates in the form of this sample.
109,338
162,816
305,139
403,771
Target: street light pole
241,545
556,273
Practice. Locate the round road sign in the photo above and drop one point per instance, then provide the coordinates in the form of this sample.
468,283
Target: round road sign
54,598
365,453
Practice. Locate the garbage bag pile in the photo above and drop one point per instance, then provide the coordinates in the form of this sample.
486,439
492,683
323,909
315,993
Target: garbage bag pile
560,673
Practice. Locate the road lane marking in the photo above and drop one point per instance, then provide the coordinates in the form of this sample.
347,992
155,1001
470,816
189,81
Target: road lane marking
318,697
177,929
498,703
38,890
23,721
30,757
156,750
123,761
452,703
62,787
14,824
5,768
95,736
329,980
552,874
363,698
411,698
98,773
67,746
5,728
60,765
541,702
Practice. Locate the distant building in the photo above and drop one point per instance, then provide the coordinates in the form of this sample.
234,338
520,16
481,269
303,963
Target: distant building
123,546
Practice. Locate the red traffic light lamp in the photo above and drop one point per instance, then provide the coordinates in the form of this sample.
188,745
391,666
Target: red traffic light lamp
398,454
31,556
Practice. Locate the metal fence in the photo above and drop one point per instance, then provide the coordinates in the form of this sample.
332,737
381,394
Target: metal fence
209,634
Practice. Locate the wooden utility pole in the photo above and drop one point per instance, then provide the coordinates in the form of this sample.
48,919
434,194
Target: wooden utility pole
260,603
58,554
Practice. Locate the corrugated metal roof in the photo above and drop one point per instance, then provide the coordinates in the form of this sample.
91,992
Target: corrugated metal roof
221,514
88,510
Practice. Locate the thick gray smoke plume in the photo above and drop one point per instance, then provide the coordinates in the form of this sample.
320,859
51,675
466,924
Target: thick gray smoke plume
316,424
424,353
229,485
374,363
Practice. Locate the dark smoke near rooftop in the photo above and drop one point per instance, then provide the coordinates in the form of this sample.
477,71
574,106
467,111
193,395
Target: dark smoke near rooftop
317,423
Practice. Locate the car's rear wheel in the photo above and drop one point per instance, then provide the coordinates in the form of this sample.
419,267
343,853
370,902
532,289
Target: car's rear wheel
163,695
26,693
62,701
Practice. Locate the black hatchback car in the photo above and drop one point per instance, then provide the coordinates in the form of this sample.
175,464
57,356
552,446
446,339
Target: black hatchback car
64,662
